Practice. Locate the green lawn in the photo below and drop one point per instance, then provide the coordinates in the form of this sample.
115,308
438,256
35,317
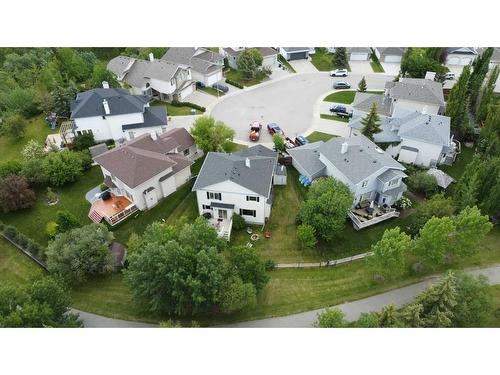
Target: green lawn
174,110
376,66
37,129
234,75
15,267
345,97
283,61
322,60
211,91
460,163
32,221
319,136
494,321
333,117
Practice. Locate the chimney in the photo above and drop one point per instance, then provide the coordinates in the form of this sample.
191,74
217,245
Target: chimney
247,162
344,148
154,136
151,56
106,106
105,85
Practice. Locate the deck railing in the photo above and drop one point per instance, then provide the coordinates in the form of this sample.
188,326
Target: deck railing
358,224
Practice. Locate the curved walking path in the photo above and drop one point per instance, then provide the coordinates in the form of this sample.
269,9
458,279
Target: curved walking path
352,310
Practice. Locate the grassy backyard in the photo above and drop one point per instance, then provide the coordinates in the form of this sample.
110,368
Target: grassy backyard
460,163
333,117
37,129
318,136
235,75
15,267
322,60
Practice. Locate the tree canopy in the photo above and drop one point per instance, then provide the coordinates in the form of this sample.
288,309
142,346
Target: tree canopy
211,135
371,123
249,62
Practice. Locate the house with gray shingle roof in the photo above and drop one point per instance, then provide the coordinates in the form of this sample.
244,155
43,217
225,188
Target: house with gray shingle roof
359,53
111,113
389,54
269,56
241,183
161,79
143,171
370,172
206,66
460,55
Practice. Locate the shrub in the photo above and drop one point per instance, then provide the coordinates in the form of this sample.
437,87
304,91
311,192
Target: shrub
35,249
270,265
306,236
177,103
50,195
84,141
103,187
22,240
238,222
234,83
63,167
10,232
403,203
15,194
2,227
13,125
66,221
51,229
423,183
11,167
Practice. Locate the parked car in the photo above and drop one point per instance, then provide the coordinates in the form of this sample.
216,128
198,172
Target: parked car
338,109
450,76
300,140
273,128
341,85
344,115
289,143
200,85
255,128
220,87
338,73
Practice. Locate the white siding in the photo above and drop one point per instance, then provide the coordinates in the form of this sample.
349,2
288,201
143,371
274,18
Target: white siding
270,62
108,127
392,59
426,152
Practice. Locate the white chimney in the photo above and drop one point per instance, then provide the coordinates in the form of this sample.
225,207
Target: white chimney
105,85
106,106
151,56
344,148
247,162
154,135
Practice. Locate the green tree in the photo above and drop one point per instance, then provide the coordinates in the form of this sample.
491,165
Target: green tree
238,222
433,243
249,266
471,227
371,123
326,206
279,142
475,301
488,97
10,167
13,125
489,140
479,71
340,58
249,62
80,253
458,101
422,182
32,150
306,236
411,315
62,97
99,74
15,194
389,253
20,101
63,167
367,320
416,62
389,317
211,135
438,205
33,172
84,141
331,318
66,221
362,85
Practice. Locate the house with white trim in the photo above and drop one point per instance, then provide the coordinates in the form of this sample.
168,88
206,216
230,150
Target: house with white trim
296,53
114,114
460,55
389,54
269,56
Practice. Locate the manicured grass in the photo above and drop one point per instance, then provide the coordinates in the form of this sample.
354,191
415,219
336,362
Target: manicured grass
458,167
377,67
283,61
322,60
211,91
494,321
235,75
345,97
333,117
37,129
32,221
175,110
318,136
15,267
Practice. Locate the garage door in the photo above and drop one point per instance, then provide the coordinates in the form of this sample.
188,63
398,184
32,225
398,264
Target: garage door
214,78
186,91
452,60
359,56
298,55
392,59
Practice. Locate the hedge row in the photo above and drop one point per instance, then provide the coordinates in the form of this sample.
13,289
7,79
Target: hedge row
177,103
234,83
34,248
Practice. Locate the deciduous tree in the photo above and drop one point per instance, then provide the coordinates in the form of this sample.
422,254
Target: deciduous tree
331,318
211,135
249,266
13,125
306,236
63,167
433,243
249,62
15,194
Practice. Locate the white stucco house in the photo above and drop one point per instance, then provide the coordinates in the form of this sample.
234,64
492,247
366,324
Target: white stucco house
206,66
114,114
373,176
240,182
160,79
460,55
389,54
142,172
269,56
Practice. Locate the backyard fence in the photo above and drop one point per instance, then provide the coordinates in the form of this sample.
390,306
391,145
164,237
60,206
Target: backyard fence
24,251
326,263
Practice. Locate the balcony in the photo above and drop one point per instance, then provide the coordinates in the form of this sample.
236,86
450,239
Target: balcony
365,217
112,208
222,227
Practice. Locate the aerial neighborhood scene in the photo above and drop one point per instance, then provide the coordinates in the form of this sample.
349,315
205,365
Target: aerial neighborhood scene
328,187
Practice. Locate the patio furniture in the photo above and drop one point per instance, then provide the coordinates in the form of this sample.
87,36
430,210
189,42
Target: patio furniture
254,237
249,230
268,234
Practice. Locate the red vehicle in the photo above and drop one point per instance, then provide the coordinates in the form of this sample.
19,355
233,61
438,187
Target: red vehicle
255,128
273,128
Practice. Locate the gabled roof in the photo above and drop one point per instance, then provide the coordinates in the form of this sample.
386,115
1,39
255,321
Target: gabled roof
296,49
90,103
391,174
417,89
200,60
461,50
307,156
362,159
363,102
258,150
434,129
264,51
142,158
384,51
359,50
219,167
98,149
153,116
442,179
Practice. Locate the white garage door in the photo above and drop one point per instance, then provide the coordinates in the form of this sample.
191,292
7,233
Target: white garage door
186,91
214,78
459,60
358,56
392,59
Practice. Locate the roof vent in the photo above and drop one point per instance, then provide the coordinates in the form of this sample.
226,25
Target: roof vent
106,106
151,56
105,85
247,162
344,148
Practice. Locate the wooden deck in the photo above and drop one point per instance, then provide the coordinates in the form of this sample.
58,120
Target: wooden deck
113,210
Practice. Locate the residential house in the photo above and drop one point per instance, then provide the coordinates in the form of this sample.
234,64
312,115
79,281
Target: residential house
417,138
359,53
240,182
142,172
269,56
460,55
373,176
160,79
110,113
295,53
206,66
389,54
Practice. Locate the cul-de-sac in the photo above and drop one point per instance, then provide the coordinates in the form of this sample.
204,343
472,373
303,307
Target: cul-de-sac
250,187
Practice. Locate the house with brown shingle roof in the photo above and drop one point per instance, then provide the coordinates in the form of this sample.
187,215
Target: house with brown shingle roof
142,172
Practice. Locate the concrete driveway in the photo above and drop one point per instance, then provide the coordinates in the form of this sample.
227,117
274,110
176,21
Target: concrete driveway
201,98
360,67
391,68
293,102
303,66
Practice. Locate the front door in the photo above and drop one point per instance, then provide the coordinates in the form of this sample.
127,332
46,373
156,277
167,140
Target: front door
222,214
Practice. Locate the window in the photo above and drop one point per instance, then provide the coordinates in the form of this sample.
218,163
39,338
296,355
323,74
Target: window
216,196
254,199
129,196
364,183
131,135
393,182
186,152
245,212
206,207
